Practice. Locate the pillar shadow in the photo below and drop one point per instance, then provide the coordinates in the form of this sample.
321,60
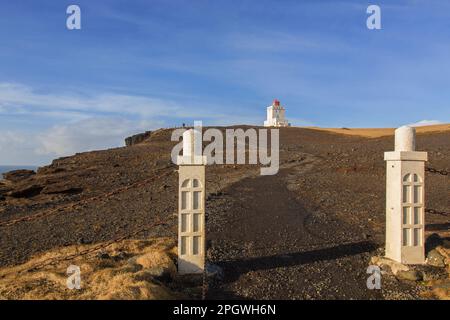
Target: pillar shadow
234,268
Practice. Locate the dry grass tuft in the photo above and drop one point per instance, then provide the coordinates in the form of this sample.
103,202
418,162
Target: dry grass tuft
125,270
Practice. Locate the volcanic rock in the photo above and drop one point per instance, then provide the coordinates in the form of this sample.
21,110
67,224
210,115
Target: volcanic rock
26,191
434,258
137,138
18,175
61,188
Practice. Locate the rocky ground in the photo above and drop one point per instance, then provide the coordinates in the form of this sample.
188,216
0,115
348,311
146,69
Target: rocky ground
308,232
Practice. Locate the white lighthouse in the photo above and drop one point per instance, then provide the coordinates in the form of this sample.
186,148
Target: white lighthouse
276,115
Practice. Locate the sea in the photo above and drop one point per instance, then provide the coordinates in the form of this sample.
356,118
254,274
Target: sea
10,168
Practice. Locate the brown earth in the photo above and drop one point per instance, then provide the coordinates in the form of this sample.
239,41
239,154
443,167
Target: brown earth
306,233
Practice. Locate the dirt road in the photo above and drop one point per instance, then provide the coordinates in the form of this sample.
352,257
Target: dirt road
270,247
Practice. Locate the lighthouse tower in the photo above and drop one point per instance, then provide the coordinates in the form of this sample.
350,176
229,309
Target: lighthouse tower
276,115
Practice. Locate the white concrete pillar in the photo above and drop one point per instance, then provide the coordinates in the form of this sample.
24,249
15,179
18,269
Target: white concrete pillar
405,199
191,205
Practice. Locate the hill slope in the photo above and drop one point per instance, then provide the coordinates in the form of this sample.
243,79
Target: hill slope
283,234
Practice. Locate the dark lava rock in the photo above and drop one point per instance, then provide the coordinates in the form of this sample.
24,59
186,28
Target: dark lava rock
49,170
4,189
103,255
26,191
137,138
18,175
120,256
61,188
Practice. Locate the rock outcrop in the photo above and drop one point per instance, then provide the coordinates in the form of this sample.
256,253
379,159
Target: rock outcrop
26,191
137,138
18,175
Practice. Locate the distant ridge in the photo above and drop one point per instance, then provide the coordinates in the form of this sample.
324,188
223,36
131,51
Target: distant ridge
381,132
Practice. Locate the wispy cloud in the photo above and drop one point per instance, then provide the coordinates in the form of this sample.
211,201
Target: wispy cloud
84,122
19,147
260,42
88,135
18,98
422,123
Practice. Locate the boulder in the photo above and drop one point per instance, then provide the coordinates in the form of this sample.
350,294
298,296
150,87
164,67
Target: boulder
434,258
410,275
394,266
18,175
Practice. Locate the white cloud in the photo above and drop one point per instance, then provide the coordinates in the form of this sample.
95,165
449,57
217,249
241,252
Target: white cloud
17,148
46,125
18,98
425,123
37,126
87,135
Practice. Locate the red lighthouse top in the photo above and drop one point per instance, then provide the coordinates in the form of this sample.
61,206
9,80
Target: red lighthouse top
276,103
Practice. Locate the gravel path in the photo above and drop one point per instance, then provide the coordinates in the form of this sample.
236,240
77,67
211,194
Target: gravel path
270,247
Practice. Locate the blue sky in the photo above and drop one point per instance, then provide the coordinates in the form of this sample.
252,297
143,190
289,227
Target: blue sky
139,65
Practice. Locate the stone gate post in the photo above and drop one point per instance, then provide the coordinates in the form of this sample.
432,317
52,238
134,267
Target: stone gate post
191,204
405,199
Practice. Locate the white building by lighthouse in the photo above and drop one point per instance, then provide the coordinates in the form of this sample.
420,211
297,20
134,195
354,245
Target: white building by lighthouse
276,115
